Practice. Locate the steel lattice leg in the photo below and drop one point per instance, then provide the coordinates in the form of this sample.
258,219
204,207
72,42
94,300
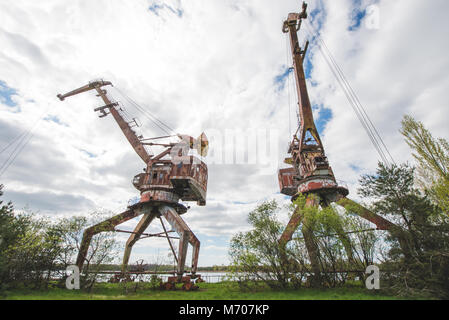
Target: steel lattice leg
309,239
380,222
196,252
186,236
291,227
107,225
135,236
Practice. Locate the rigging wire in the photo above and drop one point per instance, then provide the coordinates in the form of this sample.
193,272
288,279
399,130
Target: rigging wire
22,141
13,141
358,109
356,98
160,124
129,119
24,144
288,84
353,99
13,153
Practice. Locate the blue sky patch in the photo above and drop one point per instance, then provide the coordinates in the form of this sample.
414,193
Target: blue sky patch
356,168
281,79
89,154
156,8
324,117
6,94
357,17
55,119
308,67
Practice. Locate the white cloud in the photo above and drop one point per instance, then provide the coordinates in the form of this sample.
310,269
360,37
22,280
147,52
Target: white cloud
211,67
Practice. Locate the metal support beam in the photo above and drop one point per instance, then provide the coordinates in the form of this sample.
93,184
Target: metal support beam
107,225
186,236
169,241
135,236
380,222
310,242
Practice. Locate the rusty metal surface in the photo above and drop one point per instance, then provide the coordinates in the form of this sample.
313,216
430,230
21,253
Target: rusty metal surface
352,206
291,227
186,180
135,236
310,171
162,185
287,183
107,225
186,237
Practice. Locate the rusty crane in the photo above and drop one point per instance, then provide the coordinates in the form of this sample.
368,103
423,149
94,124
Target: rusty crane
310,173
169,177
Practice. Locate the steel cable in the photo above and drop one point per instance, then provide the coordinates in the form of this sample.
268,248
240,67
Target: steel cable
353,99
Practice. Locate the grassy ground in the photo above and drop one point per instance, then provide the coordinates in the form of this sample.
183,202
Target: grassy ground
207,291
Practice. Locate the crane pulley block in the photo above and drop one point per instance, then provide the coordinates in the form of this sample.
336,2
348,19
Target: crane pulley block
103,108
110,105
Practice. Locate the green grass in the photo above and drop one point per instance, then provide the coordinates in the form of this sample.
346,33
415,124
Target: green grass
207,291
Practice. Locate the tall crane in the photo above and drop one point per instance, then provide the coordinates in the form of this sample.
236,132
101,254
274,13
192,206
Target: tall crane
169,177
309,173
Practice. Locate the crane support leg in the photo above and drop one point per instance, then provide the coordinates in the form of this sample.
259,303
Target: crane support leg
311,245
291,227
381,223
135,236
313,252
107,225
344,238
346,241
186,236
196,252
307,230
347,244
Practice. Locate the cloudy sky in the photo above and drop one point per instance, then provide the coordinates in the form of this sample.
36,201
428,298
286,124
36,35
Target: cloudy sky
218,66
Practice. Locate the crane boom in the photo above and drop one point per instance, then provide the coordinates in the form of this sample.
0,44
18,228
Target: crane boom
130,135
310,171
292,26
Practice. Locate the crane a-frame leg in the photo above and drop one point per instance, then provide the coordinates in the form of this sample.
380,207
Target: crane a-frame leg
350,205
307,231
380,222
107,225
135,236
186,236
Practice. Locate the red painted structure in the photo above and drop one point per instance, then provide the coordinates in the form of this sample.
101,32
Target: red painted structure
169,177
310,173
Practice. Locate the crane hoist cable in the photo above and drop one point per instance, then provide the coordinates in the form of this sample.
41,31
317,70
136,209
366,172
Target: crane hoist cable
288,88
19,137
129,119
22,141
357,100
352,97
15,152
160,124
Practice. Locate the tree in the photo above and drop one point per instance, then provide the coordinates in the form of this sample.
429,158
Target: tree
344,243
256,255
424,267
33,250
28,249
432,156
259,256
102,249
